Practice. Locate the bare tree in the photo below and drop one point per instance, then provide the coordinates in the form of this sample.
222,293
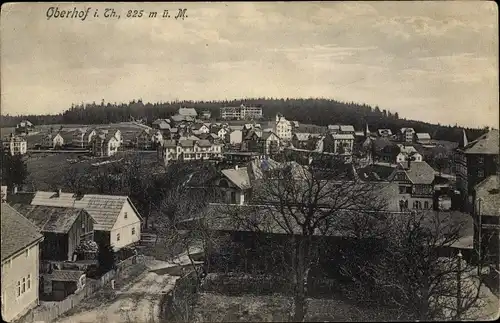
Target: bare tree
294,200
414,272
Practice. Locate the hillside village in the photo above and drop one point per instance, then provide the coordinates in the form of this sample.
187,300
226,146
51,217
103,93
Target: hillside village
57,237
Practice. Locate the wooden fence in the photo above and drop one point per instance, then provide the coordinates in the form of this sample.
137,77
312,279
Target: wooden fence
50,311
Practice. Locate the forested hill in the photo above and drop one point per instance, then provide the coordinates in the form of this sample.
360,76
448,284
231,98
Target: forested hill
312,111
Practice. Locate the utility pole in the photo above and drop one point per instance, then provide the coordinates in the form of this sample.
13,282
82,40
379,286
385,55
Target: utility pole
459,285
479,239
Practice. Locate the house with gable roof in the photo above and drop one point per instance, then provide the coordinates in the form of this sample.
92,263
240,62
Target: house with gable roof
117,220
20,249
63,228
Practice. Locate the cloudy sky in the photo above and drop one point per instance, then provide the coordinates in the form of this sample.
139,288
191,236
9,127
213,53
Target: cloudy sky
432,61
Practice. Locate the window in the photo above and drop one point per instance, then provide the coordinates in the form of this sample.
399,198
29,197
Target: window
480,173
480,160
426,204
117,237
133,231
27,253
125,215
29,281
402,189
18,288
23,290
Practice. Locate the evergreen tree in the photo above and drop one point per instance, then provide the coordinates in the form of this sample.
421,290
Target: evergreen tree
14,170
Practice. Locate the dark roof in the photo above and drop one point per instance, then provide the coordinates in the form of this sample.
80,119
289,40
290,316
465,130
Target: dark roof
50,218
381,143
267,134
489,193
20,197
418,173
169,143
186,143
485,144
204,143
375,172
238,177
65,275
17,231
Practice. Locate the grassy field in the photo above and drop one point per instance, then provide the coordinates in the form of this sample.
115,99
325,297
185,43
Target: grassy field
221,308
47,170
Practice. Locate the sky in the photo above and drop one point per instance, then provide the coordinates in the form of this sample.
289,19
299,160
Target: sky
430,61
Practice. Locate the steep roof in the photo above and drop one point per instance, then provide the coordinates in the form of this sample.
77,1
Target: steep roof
267,134
17,231
50,218
204,143
104,209
333,127
418,173
343,136
238,177
486,144
489,192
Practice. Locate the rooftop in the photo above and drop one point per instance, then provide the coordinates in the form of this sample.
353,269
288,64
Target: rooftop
486,144
50,218
17,231
65,275
489,193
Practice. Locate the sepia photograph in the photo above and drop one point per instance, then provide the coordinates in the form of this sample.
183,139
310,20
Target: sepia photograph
303,161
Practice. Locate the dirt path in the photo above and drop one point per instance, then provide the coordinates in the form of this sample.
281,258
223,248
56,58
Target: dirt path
138,302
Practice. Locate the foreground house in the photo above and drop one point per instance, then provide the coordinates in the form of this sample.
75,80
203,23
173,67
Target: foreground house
63,229
118,222
20,264
15,145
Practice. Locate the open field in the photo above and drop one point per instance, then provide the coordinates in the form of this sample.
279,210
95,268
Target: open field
47,170
220,308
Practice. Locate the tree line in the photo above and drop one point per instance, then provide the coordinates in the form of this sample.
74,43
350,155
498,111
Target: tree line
316,111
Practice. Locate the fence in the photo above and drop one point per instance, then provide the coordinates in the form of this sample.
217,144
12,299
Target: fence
48,312
180,302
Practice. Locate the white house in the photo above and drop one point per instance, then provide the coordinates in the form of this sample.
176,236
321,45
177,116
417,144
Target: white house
222,132
54,141
118,221
82,138
20,264
105,145
406,134
188,150
15,145
283,128
269,143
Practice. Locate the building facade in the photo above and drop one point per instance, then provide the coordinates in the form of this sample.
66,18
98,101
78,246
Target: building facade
15,145
241,113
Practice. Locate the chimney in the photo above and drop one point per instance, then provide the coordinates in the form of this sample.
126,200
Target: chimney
14,189
236,167
59,191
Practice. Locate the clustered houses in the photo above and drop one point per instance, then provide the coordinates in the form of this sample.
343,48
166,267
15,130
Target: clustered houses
24,127
241,113
42,231
148,139
53,141
106,142
82,138
15,145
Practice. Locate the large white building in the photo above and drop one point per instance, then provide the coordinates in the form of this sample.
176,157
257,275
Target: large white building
15,145
240,113
188,150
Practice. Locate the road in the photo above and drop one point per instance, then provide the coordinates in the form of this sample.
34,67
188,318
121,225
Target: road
138,302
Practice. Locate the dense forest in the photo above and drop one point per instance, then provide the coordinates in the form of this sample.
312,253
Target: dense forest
310,111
